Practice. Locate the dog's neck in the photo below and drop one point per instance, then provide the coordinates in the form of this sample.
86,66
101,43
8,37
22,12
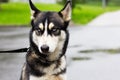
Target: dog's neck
43,66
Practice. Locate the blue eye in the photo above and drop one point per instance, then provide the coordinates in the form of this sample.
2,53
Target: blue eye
55,31
38,32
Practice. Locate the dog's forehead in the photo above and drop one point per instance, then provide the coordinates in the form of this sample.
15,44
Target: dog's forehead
51,17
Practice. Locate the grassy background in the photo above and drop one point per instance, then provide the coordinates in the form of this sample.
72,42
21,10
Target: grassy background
19,13
83,14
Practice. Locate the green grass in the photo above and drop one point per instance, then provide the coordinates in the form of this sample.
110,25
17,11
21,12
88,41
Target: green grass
14,14
83,14
19,13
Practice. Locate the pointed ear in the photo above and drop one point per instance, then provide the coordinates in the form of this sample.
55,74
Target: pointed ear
66,11
34,10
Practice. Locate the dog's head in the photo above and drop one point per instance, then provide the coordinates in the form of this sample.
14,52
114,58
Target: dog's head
49,29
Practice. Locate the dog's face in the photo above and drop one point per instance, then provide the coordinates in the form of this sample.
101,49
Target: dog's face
49,28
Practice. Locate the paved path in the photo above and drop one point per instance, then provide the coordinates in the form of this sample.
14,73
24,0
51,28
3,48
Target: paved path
11,64
107,19
101,33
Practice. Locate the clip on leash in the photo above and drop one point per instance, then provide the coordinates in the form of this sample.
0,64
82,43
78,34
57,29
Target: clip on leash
15,51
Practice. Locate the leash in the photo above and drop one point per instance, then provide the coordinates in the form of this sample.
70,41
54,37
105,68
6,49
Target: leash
15,51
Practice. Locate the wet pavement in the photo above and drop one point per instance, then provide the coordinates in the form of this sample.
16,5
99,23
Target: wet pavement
86,60
11,63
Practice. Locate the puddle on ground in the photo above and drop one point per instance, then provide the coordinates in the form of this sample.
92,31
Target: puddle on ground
13,36
7,56
90,51
111,51
80,58
74,46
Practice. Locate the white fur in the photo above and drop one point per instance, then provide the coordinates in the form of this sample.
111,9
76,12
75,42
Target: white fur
59,46
41,26
35,78
51,70
49,77
67,12
45,40
23,73
51,25
32,13
55,43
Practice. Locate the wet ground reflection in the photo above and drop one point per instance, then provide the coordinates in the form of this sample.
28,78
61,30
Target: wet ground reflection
11,63
15,38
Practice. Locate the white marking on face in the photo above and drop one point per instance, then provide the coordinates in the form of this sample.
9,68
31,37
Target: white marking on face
46,25
41,26
51,25
45,39
59,47
55,43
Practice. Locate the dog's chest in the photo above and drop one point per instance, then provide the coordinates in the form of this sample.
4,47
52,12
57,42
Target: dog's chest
52,72
49,77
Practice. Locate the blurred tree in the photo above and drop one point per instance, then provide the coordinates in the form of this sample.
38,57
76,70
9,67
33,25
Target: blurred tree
74,2
4,1
105,3
1,1
83,1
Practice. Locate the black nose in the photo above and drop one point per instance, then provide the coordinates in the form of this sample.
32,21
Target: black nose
44,48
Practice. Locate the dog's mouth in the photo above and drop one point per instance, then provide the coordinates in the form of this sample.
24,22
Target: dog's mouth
45,53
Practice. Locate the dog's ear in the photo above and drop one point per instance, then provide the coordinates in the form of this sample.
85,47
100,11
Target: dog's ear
34,10
66,11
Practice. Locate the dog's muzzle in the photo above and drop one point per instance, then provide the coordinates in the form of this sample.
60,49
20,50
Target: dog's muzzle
45,48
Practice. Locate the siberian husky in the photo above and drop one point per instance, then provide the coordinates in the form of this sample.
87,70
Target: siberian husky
45,58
